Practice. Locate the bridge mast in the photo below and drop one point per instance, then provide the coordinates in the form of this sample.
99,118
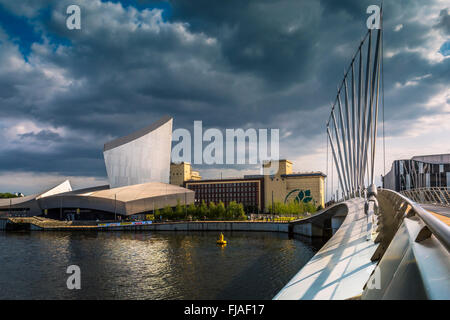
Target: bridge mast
353,140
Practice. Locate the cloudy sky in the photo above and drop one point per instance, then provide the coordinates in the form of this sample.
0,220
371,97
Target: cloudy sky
231,64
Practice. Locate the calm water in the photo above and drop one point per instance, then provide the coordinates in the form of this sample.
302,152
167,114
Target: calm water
149,265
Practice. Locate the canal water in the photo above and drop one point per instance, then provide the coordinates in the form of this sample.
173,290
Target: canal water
149,265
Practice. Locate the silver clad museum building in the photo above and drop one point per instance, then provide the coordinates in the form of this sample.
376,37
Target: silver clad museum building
138,169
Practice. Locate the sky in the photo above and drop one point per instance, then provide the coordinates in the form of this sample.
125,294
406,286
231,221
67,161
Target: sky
230,64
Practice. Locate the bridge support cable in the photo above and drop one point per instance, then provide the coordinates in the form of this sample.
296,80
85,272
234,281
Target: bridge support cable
326,172
341,160
353,140
365,112
334,157
374,104
382,102
355,180
359,154
344,143
349,139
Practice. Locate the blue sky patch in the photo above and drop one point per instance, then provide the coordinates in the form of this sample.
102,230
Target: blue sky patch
19,30
445,49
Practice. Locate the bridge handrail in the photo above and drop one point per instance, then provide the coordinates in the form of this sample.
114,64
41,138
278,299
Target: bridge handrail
438,228
435,195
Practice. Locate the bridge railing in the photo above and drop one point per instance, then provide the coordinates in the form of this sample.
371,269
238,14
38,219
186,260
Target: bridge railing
433,195
405,206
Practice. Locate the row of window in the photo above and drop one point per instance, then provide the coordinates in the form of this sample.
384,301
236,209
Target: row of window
226,196
226,201
225,191
222,185
216,189
414,167
426,180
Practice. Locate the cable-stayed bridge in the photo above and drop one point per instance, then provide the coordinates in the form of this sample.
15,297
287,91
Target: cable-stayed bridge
385,245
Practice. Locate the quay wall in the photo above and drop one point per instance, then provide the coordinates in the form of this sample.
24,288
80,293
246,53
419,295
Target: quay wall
206,226
3,224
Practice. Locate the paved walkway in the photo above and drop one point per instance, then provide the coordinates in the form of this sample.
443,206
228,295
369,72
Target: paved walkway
46,223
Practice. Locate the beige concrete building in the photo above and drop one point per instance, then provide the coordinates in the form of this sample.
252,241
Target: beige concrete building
278,183
285,186
181,172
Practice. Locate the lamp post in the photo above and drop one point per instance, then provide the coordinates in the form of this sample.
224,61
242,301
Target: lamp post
272,205
115,203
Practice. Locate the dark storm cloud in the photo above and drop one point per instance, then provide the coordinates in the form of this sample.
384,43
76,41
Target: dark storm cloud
67,161
43,135
231,64
274,40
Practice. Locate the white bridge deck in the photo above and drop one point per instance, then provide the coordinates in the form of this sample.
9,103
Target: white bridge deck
341,267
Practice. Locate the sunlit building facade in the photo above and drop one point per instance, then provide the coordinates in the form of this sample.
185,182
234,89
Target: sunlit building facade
256,192
140,157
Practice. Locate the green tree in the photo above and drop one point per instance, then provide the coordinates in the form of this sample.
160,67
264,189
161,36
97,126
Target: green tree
309,207
179,212
167,213
203,210
192,211
212,211
239,213
157,214
7,195
235,211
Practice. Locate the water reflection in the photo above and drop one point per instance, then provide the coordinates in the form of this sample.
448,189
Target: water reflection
150,265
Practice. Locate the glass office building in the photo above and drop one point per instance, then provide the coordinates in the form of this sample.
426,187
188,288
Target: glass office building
419,172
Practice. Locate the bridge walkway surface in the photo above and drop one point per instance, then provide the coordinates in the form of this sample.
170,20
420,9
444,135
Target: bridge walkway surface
341,267
440,212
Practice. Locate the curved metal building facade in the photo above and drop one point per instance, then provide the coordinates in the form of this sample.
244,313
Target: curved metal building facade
138,167
141,157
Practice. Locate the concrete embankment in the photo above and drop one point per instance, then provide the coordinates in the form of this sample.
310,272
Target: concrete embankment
42,224
207,226
3,224
322,224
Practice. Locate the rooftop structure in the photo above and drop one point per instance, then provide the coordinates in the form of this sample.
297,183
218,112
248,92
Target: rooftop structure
138,167
29,205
